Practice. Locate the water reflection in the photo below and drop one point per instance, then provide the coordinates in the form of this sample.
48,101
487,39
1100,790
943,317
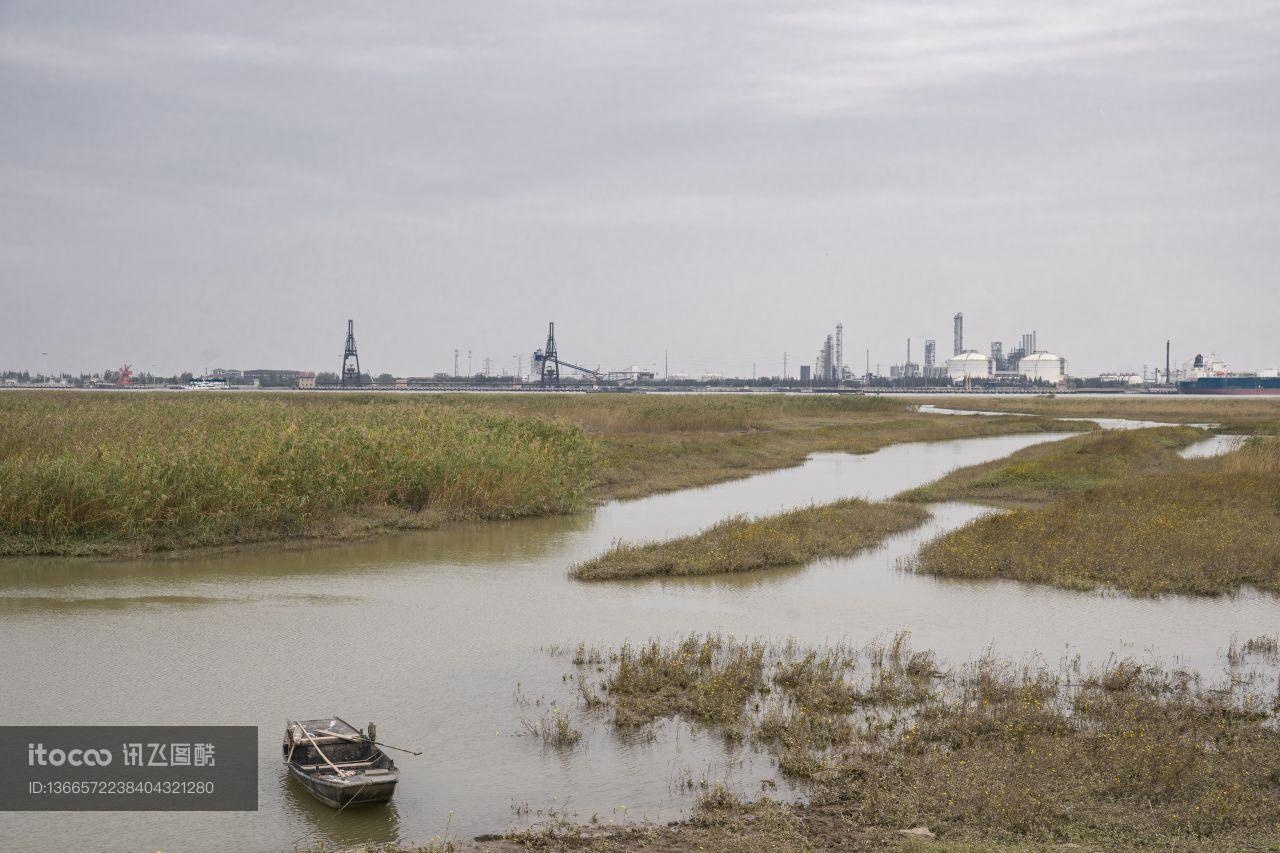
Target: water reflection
462,545
378,824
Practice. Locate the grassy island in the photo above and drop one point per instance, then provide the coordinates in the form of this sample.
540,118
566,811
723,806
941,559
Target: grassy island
740,544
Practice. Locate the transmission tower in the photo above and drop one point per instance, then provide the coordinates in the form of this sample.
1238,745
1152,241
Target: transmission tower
350,374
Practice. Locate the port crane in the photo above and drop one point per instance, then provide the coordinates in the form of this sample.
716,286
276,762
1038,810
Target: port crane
549,362
350,374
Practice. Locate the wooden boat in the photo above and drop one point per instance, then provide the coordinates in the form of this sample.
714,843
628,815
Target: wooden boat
339,764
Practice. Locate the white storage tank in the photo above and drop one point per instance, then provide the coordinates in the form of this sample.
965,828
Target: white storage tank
1043,365
969,364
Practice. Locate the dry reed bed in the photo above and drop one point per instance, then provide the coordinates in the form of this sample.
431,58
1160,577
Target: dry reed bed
133,472
1044,472
657,413
83,472
1122,755
742,544
1207,526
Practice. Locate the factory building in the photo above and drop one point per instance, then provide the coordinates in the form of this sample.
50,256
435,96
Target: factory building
828,365
969,365
826,361
1120,378
632,374
1043,366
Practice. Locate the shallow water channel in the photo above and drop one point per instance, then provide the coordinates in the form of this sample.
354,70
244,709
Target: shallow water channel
444,639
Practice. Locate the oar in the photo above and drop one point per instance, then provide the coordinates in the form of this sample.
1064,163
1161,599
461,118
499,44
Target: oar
335,767
378,742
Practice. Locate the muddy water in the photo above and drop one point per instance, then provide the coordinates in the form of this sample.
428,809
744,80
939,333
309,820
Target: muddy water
1214,445
442,639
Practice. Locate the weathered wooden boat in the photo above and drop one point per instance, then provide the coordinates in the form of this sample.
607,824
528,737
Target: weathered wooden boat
339,764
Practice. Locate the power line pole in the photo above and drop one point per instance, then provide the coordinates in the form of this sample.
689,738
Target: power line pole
455,362
784,367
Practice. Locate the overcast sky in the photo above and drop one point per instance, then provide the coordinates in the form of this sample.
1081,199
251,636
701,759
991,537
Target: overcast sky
224,184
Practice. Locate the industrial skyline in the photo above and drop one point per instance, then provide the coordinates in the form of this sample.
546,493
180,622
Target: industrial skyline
828,366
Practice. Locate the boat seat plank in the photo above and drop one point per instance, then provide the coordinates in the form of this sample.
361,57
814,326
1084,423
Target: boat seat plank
345,765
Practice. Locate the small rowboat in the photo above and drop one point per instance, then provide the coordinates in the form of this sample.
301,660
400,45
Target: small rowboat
339,764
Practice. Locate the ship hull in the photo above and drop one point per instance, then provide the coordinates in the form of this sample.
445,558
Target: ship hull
1232,385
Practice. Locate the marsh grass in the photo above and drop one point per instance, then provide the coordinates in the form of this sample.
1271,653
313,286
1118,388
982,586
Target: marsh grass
1125,754
1264,646
659,442
1044,472
706,678
741,544
110,472
555,729
1207,526
638,463
126,473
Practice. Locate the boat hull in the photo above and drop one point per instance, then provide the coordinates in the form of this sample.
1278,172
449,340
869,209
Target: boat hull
349,792
337,763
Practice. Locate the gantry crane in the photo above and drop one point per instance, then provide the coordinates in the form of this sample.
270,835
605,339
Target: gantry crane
549,361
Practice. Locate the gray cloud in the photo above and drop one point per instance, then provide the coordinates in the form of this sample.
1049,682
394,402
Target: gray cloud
227,183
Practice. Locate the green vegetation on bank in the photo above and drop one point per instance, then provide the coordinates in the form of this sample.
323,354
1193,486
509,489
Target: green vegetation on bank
990,753
1206,526
741,544
125,473
1044,472
85,473
1234,415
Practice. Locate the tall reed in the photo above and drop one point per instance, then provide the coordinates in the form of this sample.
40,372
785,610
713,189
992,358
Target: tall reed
166,469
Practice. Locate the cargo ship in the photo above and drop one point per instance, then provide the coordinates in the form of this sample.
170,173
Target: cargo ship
1209,375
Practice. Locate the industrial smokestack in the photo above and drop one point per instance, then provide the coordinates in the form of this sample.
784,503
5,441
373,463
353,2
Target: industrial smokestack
958,342
839,352
1167,380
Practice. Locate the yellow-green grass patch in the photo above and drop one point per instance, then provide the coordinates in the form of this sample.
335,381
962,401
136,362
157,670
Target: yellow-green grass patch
1047,471
1209,526
741,544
